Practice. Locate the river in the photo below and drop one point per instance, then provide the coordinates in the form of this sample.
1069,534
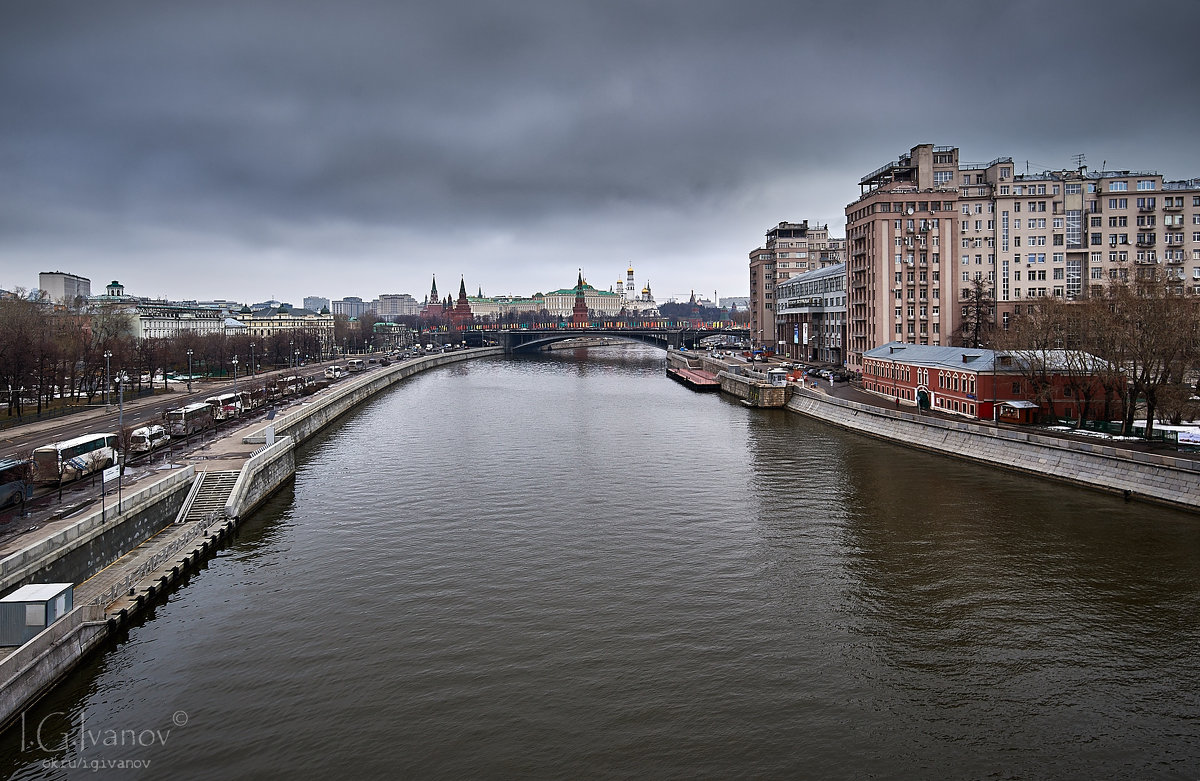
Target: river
569,566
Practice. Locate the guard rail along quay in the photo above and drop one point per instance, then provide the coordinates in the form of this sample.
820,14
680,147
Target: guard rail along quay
315,415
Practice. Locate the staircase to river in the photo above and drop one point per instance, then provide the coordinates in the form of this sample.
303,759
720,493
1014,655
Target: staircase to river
209,496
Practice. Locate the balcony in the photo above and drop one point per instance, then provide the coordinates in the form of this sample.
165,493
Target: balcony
1172,207
1145,244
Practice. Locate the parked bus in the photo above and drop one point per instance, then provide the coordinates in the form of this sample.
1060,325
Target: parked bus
74,458
225,406
15,485
145,439
291,385
253,399
187,420
355,365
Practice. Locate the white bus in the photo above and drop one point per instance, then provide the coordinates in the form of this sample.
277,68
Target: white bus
143,440
334,373
225,406
74,458
187,420
355,365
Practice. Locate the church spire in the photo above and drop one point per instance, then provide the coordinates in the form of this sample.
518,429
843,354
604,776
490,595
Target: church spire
433,296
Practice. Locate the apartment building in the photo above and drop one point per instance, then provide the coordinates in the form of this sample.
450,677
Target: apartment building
59,286
928,226
392,305
810,315
791,249
351,306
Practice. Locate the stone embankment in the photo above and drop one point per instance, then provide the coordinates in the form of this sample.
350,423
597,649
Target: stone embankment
1161,479
1132,474
741,381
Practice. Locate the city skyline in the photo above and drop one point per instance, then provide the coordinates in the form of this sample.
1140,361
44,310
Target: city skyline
283,151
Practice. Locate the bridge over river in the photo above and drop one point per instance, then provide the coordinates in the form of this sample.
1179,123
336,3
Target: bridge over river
531,339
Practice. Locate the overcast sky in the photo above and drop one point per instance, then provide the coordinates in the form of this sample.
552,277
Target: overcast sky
256,150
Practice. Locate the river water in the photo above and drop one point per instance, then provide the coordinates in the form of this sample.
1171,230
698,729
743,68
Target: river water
568,566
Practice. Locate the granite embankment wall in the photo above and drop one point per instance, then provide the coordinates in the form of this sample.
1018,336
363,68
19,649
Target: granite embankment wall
263,473
1146,476
315,415
36,666
740,381
74,554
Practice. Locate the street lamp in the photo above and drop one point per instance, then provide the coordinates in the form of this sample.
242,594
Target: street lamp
121,433
107,382
189,354
235,363
291,344
252,359
297,360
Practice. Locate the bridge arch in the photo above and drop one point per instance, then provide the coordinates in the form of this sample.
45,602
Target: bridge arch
527,340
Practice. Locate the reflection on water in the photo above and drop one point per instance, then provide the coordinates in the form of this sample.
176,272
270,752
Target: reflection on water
568,565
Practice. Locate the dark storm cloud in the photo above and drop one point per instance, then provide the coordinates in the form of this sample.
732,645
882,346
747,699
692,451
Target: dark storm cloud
321,131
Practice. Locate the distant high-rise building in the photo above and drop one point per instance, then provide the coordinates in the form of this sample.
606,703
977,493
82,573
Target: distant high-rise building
391,305
60,286
792,248
351,306
315,303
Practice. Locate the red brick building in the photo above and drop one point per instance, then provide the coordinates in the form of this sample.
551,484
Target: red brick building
984,384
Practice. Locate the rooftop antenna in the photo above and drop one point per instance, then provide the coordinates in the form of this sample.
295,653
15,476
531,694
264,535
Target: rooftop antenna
1080,159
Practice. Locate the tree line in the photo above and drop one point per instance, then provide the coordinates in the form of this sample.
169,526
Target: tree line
65,354
1128,349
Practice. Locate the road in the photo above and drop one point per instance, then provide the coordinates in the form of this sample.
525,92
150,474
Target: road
19,441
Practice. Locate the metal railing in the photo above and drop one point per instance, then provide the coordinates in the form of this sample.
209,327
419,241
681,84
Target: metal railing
158,559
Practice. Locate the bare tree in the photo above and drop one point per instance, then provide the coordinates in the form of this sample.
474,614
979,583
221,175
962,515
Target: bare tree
978,315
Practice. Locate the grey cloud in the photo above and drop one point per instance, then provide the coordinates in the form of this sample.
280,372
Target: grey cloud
245,125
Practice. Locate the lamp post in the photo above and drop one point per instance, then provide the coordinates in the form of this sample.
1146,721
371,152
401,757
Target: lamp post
291,344
189,354
297,360
252,359
107,382
120,433
235,363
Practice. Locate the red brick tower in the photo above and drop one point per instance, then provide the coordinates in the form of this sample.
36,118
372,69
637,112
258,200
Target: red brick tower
460,317
579,314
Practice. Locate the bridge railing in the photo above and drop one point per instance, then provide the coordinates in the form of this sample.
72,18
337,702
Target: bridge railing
609,325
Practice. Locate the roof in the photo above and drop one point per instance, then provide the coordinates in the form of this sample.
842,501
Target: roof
37,592
978,359
283,312
587,290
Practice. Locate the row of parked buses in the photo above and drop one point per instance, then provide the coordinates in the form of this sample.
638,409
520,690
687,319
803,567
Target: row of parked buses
82,456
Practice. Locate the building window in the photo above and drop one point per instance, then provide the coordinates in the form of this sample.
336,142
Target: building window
1118,187
1145,184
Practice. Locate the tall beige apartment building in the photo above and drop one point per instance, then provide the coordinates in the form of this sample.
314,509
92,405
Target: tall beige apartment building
928,225
791,249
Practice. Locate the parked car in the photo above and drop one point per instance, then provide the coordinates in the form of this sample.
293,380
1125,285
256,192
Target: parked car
145,439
